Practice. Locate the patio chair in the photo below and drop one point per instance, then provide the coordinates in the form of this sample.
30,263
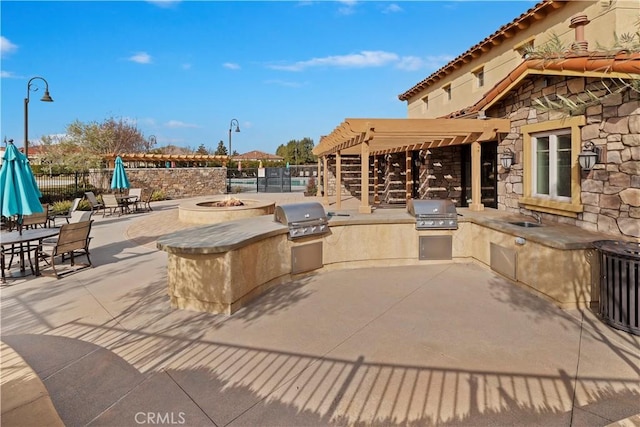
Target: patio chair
66,216
135,198
93,201
39,219
73,241
110,202
146,201
79,216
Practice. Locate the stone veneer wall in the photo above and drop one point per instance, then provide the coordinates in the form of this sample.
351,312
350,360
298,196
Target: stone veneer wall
175,183
611,191
441,175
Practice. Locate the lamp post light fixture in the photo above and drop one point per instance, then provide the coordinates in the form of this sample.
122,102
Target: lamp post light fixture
589,156
152,140
237,125
45,98
506,159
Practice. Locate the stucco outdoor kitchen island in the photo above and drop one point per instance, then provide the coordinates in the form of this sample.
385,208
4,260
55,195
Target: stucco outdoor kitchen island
220,267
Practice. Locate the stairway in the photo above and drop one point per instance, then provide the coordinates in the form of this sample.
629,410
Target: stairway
350,166
390,191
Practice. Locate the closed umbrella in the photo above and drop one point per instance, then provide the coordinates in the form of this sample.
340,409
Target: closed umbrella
19,193
119,181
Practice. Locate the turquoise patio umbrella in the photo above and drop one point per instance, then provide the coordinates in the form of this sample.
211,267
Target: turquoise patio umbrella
19,193
119,181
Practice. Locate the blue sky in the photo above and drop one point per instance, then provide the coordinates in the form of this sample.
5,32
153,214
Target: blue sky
183,69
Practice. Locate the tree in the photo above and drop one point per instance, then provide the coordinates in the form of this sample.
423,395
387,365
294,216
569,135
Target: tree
297,152
202,150
63,155
221,150
112,136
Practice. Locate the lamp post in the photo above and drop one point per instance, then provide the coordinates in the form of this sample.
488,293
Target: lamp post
45,98
233,122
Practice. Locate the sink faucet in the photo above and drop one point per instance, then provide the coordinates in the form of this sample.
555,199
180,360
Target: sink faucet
535,216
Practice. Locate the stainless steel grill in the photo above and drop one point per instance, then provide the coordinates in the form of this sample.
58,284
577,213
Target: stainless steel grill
303,219
436,214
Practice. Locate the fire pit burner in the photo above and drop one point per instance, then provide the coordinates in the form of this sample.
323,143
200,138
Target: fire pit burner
227,203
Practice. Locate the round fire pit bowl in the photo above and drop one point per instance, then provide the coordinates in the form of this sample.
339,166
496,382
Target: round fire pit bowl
222,209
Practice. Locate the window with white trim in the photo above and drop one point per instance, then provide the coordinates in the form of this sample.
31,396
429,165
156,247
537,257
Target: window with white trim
551,168
551,174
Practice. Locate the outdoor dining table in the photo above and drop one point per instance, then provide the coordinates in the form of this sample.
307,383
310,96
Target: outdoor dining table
125,202
24,243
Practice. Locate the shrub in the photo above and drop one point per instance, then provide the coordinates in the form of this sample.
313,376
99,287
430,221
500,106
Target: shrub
158,195
59,208
312,188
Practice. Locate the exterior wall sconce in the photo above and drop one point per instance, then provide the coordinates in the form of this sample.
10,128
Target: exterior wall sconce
506,159
589,156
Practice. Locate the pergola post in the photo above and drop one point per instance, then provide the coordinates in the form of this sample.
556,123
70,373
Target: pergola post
409,176
338,180
376,170
319,187
476,182
364,178
325,183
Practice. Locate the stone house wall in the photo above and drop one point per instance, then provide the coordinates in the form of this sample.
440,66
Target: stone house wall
610,193
441,175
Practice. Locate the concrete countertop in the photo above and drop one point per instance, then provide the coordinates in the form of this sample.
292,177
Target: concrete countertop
220,238
223,237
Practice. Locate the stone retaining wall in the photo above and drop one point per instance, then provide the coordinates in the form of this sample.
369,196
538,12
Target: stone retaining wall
175,183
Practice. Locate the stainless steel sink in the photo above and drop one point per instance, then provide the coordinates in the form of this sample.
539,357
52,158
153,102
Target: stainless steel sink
526,224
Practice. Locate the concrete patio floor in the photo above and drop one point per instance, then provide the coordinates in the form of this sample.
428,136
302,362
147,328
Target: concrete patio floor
440,344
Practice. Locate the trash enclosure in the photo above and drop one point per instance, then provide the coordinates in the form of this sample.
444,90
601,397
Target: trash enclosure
619,289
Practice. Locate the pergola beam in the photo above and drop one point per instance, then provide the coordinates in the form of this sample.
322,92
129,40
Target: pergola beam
395,135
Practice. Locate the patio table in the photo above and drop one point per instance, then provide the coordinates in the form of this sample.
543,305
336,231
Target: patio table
125,202
23,242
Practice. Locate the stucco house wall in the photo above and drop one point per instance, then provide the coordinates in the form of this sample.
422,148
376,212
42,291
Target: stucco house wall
608,19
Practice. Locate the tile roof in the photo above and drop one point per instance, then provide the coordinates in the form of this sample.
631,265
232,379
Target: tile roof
539,11
594,64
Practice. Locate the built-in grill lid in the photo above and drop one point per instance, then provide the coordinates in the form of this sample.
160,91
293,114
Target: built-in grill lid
434,214
303,219
432,207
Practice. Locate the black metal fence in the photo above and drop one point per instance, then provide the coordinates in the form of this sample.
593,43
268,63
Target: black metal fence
67,186
270,180
57,187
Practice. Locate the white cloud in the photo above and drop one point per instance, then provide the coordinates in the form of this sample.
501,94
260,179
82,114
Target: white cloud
174,124
284,83
363,59
186,66
392,8
141,58
147,121
165,4
231,66
8,75
348,7
429,63
6,47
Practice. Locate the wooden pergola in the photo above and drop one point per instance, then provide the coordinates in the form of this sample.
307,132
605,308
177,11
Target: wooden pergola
162,158
371,137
